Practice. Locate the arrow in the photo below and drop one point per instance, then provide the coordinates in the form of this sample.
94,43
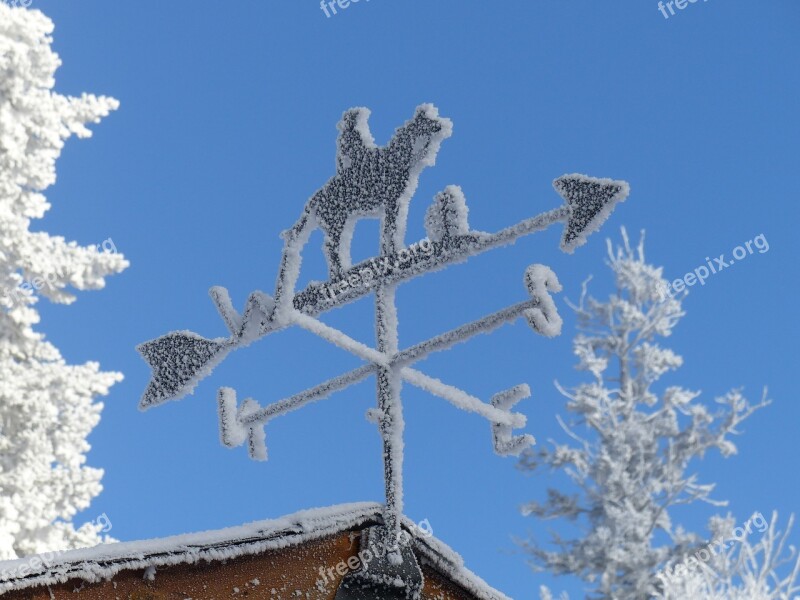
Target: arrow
590,202
181,359
246,423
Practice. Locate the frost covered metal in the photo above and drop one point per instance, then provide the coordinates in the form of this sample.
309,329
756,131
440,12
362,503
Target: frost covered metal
379,182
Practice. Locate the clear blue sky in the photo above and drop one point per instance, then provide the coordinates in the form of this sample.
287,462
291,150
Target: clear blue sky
227,126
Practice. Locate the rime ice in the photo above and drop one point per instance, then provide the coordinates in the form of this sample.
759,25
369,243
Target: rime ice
379,182
47,407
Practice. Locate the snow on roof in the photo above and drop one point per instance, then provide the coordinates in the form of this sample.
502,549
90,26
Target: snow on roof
103,562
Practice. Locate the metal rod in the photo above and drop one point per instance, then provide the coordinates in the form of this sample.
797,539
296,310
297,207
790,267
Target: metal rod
319,392
337,338
399,360
390,407
462,400
319,297
461,334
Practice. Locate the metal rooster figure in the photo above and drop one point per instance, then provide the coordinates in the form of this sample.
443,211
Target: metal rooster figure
379,182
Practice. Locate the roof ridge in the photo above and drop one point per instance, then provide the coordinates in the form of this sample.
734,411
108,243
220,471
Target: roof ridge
107,560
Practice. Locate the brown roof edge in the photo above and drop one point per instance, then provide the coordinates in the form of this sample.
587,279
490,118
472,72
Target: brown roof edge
103,562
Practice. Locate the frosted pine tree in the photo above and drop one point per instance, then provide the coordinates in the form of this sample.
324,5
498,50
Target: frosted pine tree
47,407
632,444
763,566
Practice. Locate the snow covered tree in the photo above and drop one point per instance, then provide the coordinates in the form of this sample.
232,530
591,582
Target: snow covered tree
744,571
47,407
631,445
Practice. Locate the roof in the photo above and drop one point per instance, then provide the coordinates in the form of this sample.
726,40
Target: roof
103,562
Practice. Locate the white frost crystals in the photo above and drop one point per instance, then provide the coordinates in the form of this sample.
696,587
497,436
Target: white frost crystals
378,182
47,407
630,450
591,201
544,318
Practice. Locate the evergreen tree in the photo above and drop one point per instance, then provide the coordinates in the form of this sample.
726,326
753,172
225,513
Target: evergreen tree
47,407
632,445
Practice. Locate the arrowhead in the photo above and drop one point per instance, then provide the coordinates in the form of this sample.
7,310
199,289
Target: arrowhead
590,202
179,361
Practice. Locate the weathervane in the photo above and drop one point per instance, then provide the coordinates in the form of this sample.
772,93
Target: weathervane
379,182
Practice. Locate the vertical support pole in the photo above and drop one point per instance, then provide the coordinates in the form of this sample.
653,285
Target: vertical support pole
391,422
